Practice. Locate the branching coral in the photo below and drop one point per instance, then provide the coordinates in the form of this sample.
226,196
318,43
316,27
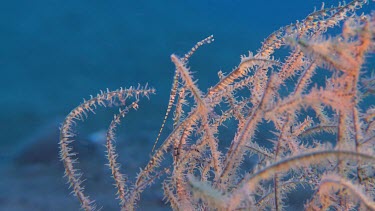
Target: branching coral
203,176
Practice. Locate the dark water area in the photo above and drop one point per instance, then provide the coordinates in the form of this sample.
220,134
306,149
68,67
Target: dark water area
54,53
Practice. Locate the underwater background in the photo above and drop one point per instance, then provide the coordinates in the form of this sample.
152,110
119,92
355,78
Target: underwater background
54,53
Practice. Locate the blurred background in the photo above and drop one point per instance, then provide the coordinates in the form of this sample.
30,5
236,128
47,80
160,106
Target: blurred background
55,53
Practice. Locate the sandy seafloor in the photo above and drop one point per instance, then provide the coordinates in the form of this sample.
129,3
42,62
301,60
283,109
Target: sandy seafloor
54,53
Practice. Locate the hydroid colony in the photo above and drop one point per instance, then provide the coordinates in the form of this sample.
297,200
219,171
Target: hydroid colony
205,177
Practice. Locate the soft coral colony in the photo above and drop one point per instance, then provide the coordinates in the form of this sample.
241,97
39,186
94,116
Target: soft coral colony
204,176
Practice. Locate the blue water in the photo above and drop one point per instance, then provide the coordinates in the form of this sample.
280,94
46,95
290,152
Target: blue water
54,53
